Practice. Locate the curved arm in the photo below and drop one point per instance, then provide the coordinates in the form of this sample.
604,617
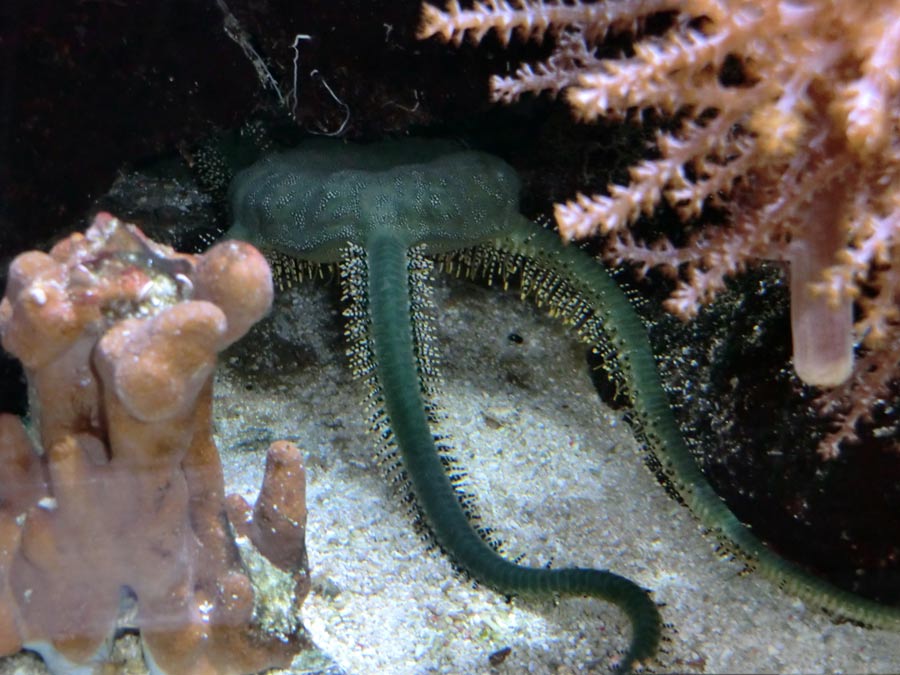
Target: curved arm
604,312
401,390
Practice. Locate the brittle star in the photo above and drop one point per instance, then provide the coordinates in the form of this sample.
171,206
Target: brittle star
383,213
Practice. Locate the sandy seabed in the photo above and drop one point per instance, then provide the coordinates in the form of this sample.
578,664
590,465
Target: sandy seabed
557,475
560,479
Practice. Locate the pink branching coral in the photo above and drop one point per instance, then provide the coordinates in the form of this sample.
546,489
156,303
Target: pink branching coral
118,336
789,121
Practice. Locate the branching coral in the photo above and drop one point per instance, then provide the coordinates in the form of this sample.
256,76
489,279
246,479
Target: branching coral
788,120
124,493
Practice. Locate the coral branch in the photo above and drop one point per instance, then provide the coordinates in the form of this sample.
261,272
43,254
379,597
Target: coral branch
791,112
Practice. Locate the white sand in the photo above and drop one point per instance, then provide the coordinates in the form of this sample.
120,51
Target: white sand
560,479
557,475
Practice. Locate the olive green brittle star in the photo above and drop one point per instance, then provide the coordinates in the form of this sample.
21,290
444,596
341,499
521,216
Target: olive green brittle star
384,212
